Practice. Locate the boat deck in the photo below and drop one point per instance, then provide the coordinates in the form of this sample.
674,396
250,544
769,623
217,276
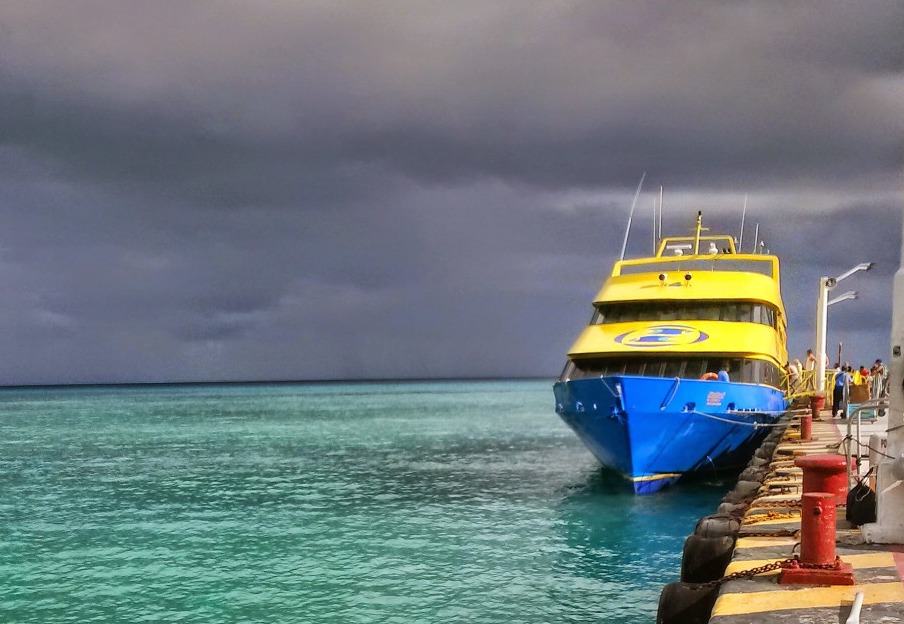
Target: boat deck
764,538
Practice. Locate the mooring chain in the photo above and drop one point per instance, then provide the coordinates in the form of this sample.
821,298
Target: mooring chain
776,533
794,562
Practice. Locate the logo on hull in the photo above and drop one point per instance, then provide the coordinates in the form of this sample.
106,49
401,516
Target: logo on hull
661,336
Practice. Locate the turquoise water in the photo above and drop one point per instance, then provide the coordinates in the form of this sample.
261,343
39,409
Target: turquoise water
390,502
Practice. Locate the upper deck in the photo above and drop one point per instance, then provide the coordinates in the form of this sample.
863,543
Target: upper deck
700,253
695,298
680,272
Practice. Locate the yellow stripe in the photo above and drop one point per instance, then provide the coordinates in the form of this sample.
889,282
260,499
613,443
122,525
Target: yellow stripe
764,542
859,562
664,475
723,337
806,598
751,522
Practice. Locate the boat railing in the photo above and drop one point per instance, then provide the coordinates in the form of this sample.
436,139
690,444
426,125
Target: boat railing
801,387
808,379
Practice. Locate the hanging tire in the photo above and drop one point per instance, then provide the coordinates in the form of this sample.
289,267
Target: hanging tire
743,491
686,603
718,525
705,558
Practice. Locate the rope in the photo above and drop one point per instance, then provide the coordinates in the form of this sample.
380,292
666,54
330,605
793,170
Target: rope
755,425
771,504
611,391
860,445
769,515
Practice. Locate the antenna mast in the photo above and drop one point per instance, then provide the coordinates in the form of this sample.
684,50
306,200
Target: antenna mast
654,226
630,216
659,237
743,214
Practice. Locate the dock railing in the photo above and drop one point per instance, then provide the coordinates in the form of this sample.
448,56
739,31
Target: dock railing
878,406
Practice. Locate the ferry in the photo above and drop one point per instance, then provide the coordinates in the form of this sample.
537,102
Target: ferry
680,371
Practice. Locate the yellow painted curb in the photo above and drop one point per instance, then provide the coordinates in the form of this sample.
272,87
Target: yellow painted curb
806,598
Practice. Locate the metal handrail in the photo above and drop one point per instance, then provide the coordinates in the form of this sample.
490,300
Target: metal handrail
872,404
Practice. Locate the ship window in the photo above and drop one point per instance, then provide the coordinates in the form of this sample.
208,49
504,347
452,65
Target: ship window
667,313
597,318
634,367
764,315
741,369
673,368
708,313
654,369
568,371
749,372
729,312
769,317
757,316
735,370
673,311
695,369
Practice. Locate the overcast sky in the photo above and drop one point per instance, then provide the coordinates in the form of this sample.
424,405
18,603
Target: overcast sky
219,190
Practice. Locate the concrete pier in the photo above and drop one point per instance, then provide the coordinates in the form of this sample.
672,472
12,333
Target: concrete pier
769,533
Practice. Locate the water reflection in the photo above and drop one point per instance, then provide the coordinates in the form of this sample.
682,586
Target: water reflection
620,548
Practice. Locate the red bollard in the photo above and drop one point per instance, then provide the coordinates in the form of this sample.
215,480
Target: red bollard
825,473
817,546
817,528
806,428
817,402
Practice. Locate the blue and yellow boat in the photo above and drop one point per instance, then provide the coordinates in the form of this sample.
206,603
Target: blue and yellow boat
680,370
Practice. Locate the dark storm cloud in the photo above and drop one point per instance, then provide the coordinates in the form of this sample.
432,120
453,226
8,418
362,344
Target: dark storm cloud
216,190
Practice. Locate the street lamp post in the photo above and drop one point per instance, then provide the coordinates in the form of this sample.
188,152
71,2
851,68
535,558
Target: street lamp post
826,285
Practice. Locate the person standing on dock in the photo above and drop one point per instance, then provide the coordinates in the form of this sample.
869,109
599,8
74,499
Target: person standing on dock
842,379
877,372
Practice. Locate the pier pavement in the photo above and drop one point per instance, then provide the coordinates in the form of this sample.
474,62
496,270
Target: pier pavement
770,533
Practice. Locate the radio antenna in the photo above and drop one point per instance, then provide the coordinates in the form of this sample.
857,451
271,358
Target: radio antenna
659,237
654,226
630,216
743,214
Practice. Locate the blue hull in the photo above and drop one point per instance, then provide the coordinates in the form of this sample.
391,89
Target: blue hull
656,430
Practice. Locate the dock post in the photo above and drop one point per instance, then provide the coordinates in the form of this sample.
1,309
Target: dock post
817,564
806,428
824,473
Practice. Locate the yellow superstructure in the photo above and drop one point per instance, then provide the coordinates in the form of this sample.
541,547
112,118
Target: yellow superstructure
682,302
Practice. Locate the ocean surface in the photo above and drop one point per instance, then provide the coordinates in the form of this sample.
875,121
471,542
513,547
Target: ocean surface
366,502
